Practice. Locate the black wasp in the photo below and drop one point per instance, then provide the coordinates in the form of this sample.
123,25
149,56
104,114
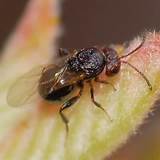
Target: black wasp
55,82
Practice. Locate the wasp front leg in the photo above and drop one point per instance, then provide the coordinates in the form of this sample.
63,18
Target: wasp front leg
105,82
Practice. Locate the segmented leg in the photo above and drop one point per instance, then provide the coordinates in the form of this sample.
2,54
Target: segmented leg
68,104
63,52
96,103
104,82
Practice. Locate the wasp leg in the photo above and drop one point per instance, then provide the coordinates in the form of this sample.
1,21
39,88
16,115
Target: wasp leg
96,103
63,52
68,104
105,82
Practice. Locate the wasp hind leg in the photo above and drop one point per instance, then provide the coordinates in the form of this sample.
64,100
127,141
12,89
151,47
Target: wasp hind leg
95,102
68,104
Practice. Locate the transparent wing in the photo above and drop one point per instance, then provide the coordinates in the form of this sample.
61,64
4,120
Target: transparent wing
24,88
62,78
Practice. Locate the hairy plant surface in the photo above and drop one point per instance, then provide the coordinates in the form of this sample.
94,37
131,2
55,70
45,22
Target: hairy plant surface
36,131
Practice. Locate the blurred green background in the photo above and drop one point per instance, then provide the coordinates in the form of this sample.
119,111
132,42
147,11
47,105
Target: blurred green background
92,22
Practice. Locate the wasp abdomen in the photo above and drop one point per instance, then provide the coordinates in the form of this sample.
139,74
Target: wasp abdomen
59,94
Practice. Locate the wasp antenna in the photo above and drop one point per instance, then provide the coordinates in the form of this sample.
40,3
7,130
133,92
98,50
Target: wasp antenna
143,76
138,47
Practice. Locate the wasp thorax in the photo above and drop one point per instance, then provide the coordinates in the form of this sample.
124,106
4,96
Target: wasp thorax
90,61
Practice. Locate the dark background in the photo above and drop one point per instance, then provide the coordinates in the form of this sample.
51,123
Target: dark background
92,22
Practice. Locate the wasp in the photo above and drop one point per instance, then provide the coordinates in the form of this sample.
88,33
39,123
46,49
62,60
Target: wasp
54,82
